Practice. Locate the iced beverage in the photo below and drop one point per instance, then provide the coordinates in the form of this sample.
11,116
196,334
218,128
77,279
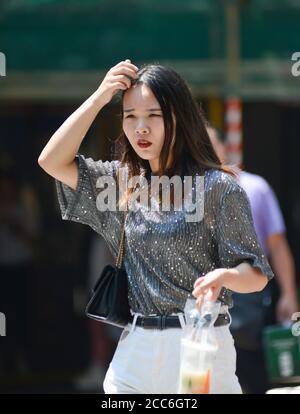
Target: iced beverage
194,382
195,369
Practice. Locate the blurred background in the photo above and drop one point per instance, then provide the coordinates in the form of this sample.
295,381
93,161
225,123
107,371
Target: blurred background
237,59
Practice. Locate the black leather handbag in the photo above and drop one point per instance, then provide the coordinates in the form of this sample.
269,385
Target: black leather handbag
109,300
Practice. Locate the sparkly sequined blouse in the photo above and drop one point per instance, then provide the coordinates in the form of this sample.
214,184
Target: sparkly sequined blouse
165,253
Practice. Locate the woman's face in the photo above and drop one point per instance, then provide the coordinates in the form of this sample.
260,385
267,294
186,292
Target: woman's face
143,120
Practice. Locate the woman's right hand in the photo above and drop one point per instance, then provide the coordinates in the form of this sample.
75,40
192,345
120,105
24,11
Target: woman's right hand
116,79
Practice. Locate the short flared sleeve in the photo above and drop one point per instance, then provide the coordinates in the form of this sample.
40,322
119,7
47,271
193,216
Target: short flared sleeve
236,237
80,205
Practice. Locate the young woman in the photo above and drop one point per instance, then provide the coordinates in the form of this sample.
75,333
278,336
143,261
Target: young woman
167,258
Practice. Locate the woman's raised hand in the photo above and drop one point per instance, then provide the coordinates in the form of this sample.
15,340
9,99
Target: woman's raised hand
118,77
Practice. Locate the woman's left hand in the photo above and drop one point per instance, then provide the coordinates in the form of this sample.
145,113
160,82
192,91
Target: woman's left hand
209,286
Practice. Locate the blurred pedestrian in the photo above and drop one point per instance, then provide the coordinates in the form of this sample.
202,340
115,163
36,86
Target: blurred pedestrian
252,312
19,230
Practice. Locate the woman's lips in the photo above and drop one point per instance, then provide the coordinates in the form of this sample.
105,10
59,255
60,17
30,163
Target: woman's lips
144,144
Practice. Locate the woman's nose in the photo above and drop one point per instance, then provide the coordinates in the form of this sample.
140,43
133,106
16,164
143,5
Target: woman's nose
142,129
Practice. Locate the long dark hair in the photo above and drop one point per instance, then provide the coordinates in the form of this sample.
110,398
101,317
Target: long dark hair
192,150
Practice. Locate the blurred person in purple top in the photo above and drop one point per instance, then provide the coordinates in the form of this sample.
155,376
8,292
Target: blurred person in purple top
252,312
266,212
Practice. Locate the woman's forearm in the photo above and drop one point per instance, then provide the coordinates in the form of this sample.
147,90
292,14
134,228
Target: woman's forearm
65,142
244,278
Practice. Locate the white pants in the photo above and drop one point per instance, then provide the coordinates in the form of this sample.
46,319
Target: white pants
147,361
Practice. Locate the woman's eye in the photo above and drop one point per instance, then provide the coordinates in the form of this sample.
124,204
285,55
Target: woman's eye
131,116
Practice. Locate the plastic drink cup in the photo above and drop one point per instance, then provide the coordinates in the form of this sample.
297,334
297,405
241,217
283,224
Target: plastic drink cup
195,368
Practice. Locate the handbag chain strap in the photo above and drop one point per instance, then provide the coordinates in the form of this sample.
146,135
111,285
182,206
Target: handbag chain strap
121,247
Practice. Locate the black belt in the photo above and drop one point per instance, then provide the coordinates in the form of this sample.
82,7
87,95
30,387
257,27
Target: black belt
172,321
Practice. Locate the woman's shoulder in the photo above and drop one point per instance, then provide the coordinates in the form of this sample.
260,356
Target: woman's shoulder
219,182
222,190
